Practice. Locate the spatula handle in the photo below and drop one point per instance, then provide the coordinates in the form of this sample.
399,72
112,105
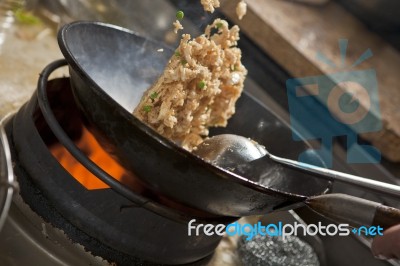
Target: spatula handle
354,211
386,216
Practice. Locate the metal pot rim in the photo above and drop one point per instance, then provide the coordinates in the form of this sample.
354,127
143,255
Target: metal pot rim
8,184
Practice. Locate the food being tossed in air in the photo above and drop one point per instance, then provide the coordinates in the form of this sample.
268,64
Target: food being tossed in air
241,9
177,24
210,5
198,88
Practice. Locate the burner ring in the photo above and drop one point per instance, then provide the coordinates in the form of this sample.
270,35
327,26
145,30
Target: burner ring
8,183
103,221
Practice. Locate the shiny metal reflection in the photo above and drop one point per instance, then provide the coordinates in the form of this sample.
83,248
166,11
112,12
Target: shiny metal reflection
8,183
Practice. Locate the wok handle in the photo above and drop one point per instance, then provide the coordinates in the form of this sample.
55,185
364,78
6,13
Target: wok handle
354,211
386,216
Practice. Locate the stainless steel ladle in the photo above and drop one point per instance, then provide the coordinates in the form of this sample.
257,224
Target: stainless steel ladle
229,150
233,151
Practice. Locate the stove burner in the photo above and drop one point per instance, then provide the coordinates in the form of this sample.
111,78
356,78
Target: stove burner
8,186
116,223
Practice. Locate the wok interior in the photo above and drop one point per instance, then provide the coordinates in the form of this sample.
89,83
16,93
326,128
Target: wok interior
124,65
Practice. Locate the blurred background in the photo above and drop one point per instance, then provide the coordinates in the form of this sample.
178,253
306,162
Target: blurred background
28,31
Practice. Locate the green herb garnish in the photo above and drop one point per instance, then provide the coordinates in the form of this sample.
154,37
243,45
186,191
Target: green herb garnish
234,68
183,62
153,95
201,84
177,53
147,108
219,25
180,14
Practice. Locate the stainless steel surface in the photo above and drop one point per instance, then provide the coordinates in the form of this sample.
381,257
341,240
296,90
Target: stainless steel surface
28,240
8,184
233,148
220,150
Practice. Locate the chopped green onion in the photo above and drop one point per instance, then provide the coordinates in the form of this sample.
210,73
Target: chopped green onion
177,53
219,25
147,108
180,14
183,62
201,84
153,95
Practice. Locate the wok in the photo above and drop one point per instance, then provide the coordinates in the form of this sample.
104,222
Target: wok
110,68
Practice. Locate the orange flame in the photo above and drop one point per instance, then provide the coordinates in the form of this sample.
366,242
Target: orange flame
88,144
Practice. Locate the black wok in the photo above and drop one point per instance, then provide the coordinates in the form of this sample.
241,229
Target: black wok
111,67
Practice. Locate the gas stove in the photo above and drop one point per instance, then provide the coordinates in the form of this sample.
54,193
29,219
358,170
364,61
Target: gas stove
56,218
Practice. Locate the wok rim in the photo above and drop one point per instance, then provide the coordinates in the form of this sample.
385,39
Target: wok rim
219,171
